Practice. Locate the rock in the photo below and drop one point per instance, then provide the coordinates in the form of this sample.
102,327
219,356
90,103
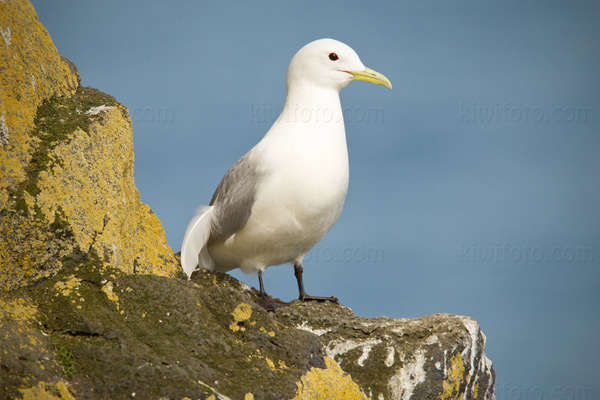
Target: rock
107,334
93,303
67,191
439,356
32,71
111,334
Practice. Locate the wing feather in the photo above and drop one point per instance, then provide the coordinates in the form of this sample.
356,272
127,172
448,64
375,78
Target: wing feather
234,197
195,239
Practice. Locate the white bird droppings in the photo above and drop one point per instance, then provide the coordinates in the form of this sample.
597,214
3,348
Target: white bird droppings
345,346
410,375
318,332
389,360
98,110
6,35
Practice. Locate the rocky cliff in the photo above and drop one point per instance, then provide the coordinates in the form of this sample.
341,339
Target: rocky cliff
92,332
66,158
93,303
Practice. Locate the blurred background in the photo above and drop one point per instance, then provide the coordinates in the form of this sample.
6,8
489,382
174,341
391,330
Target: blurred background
474,183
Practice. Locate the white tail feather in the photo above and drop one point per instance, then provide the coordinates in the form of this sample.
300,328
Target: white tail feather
194,241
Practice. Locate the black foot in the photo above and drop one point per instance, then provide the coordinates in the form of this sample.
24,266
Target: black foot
306,297
269,303
303,296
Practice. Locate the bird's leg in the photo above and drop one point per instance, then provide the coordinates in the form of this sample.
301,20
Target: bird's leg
302,294
264,300
262,292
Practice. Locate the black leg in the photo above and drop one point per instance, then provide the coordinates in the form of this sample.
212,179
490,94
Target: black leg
262,292
302,294
264,300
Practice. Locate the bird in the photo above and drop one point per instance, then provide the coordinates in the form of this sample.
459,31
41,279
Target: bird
286,193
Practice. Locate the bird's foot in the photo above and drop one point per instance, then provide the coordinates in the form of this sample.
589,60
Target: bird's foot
306,297
269,303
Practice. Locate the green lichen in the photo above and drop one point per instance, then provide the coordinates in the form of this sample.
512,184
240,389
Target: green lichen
60,226
56,120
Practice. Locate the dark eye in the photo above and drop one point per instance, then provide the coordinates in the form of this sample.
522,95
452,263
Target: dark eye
333,57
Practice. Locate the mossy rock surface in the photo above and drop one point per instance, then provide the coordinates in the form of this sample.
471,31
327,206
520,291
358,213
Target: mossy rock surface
78,198
67,191
110,334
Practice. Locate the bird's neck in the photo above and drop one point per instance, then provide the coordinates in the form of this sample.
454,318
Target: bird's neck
312,105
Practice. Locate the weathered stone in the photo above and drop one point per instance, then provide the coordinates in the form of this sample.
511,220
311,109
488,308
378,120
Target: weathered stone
32,71
439,356
108,334
115,334
67,190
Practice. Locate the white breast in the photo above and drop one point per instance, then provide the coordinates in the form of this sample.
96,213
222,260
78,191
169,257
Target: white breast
300,198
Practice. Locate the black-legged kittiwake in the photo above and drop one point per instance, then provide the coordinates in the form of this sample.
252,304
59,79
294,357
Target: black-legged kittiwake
283,196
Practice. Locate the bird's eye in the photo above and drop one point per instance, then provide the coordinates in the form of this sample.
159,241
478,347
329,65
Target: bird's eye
333,57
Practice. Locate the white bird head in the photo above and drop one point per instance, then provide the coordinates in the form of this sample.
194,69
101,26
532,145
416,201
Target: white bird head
327,63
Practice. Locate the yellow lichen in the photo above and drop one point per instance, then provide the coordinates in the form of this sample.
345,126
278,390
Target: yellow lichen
264,330
270,363
18,310
108,216
65,288
47,391
451,386
20,332
95,161
240,314
248,396
331,383
475,390
32,71
108,290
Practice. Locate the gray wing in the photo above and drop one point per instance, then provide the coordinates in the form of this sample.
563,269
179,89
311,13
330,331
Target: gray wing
234,197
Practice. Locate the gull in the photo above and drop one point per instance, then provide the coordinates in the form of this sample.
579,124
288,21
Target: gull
283,196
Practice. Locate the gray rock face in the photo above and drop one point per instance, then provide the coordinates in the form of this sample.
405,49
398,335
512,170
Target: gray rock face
439,356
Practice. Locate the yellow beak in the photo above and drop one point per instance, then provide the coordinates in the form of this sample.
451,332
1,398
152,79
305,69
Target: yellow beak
368,75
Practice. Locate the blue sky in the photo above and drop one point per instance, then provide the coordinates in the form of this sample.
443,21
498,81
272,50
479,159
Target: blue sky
474,183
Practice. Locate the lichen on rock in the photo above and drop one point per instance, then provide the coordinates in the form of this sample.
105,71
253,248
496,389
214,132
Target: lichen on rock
78,198
105,332
329,383
32,71
67,192
436,356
